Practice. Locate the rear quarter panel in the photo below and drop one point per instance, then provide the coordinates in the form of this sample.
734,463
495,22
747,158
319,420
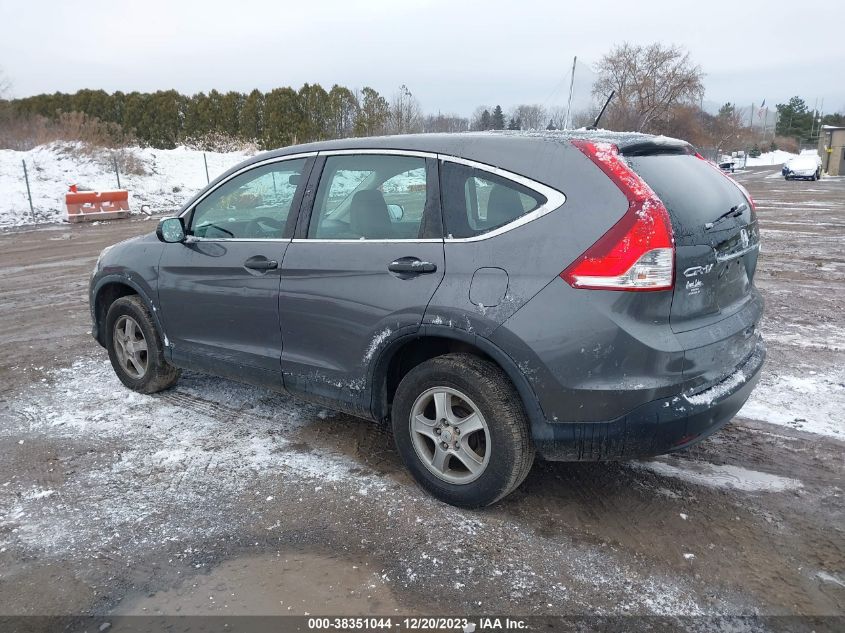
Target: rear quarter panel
534,254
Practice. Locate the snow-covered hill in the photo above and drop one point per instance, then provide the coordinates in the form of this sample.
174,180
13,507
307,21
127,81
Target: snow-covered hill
164,179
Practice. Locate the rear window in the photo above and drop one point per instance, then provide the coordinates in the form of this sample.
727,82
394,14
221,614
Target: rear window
693,192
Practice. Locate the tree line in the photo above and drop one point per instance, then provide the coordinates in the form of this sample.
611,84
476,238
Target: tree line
280,117
658,89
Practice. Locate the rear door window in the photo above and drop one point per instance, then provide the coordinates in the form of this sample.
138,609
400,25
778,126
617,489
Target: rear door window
370,196
476,201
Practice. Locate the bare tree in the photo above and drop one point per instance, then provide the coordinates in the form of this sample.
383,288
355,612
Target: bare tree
445,123
478,121
649,81
583,118
405,112
557,116
530,116
727,128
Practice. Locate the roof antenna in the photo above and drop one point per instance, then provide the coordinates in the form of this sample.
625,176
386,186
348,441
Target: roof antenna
604,107
568,121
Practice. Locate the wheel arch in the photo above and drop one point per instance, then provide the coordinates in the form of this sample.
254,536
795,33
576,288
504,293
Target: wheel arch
108,290
405,353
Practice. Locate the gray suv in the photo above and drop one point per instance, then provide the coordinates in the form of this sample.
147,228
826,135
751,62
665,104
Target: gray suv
495,296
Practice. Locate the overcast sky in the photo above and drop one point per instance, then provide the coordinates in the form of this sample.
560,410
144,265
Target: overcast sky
452,55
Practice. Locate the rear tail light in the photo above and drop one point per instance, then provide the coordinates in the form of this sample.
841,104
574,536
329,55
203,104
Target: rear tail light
638,252
738,185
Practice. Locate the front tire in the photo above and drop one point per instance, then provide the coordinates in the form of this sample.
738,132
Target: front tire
135,348
461,431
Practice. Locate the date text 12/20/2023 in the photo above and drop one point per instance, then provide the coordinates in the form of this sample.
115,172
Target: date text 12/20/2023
417,624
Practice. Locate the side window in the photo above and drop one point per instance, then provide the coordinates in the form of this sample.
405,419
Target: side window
476,201
254,205
370,196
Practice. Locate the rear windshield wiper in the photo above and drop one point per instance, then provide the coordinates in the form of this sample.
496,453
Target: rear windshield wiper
733,212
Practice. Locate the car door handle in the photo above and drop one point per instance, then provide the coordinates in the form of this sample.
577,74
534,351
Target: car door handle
261,263
411,266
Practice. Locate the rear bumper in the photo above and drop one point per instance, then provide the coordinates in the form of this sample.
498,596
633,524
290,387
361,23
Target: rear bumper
657,427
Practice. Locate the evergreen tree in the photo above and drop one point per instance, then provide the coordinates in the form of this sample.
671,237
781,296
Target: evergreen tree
794,119
118,103
161,122
283,118
230,114
135,118
196,121
836,119
497,121
372,115
514,124
316,114
252,116
485,120
344,110
212,113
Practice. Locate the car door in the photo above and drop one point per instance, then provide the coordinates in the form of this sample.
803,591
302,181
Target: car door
366,260
218,290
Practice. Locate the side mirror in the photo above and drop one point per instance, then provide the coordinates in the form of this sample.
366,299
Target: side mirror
171,230
396,212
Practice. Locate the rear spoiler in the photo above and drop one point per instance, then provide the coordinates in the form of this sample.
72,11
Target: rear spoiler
655,146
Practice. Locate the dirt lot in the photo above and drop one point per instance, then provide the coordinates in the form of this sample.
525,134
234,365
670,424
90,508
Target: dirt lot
217,498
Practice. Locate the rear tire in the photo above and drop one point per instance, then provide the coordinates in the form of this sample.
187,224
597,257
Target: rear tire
437,399
135,348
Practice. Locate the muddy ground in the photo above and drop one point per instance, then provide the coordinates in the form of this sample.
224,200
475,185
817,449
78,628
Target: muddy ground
218,498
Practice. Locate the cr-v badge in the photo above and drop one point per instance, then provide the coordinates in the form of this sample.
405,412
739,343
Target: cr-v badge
695,271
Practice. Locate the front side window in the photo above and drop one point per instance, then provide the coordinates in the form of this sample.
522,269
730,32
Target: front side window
370,196
477,201
253,205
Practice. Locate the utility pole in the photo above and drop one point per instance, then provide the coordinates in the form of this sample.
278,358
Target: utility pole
568,119
819,131
813,122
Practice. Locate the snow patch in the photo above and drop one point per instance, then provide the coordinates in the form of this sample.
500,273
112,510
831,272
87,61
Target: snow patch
777,157
709,396
725,476
830,578
813,403
378,339
38,494
170,177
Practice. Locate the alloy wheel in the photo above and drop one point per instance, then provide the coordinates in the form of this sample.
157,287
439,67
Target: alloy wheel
130,346
450,435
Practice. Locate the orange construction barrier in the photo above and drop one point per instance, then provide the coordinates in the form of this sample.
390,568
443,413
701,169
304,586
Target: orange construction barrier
87,206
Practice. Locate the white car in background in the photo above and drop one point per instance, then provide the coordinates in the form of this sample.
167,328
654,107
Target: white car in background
733,161
806,167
